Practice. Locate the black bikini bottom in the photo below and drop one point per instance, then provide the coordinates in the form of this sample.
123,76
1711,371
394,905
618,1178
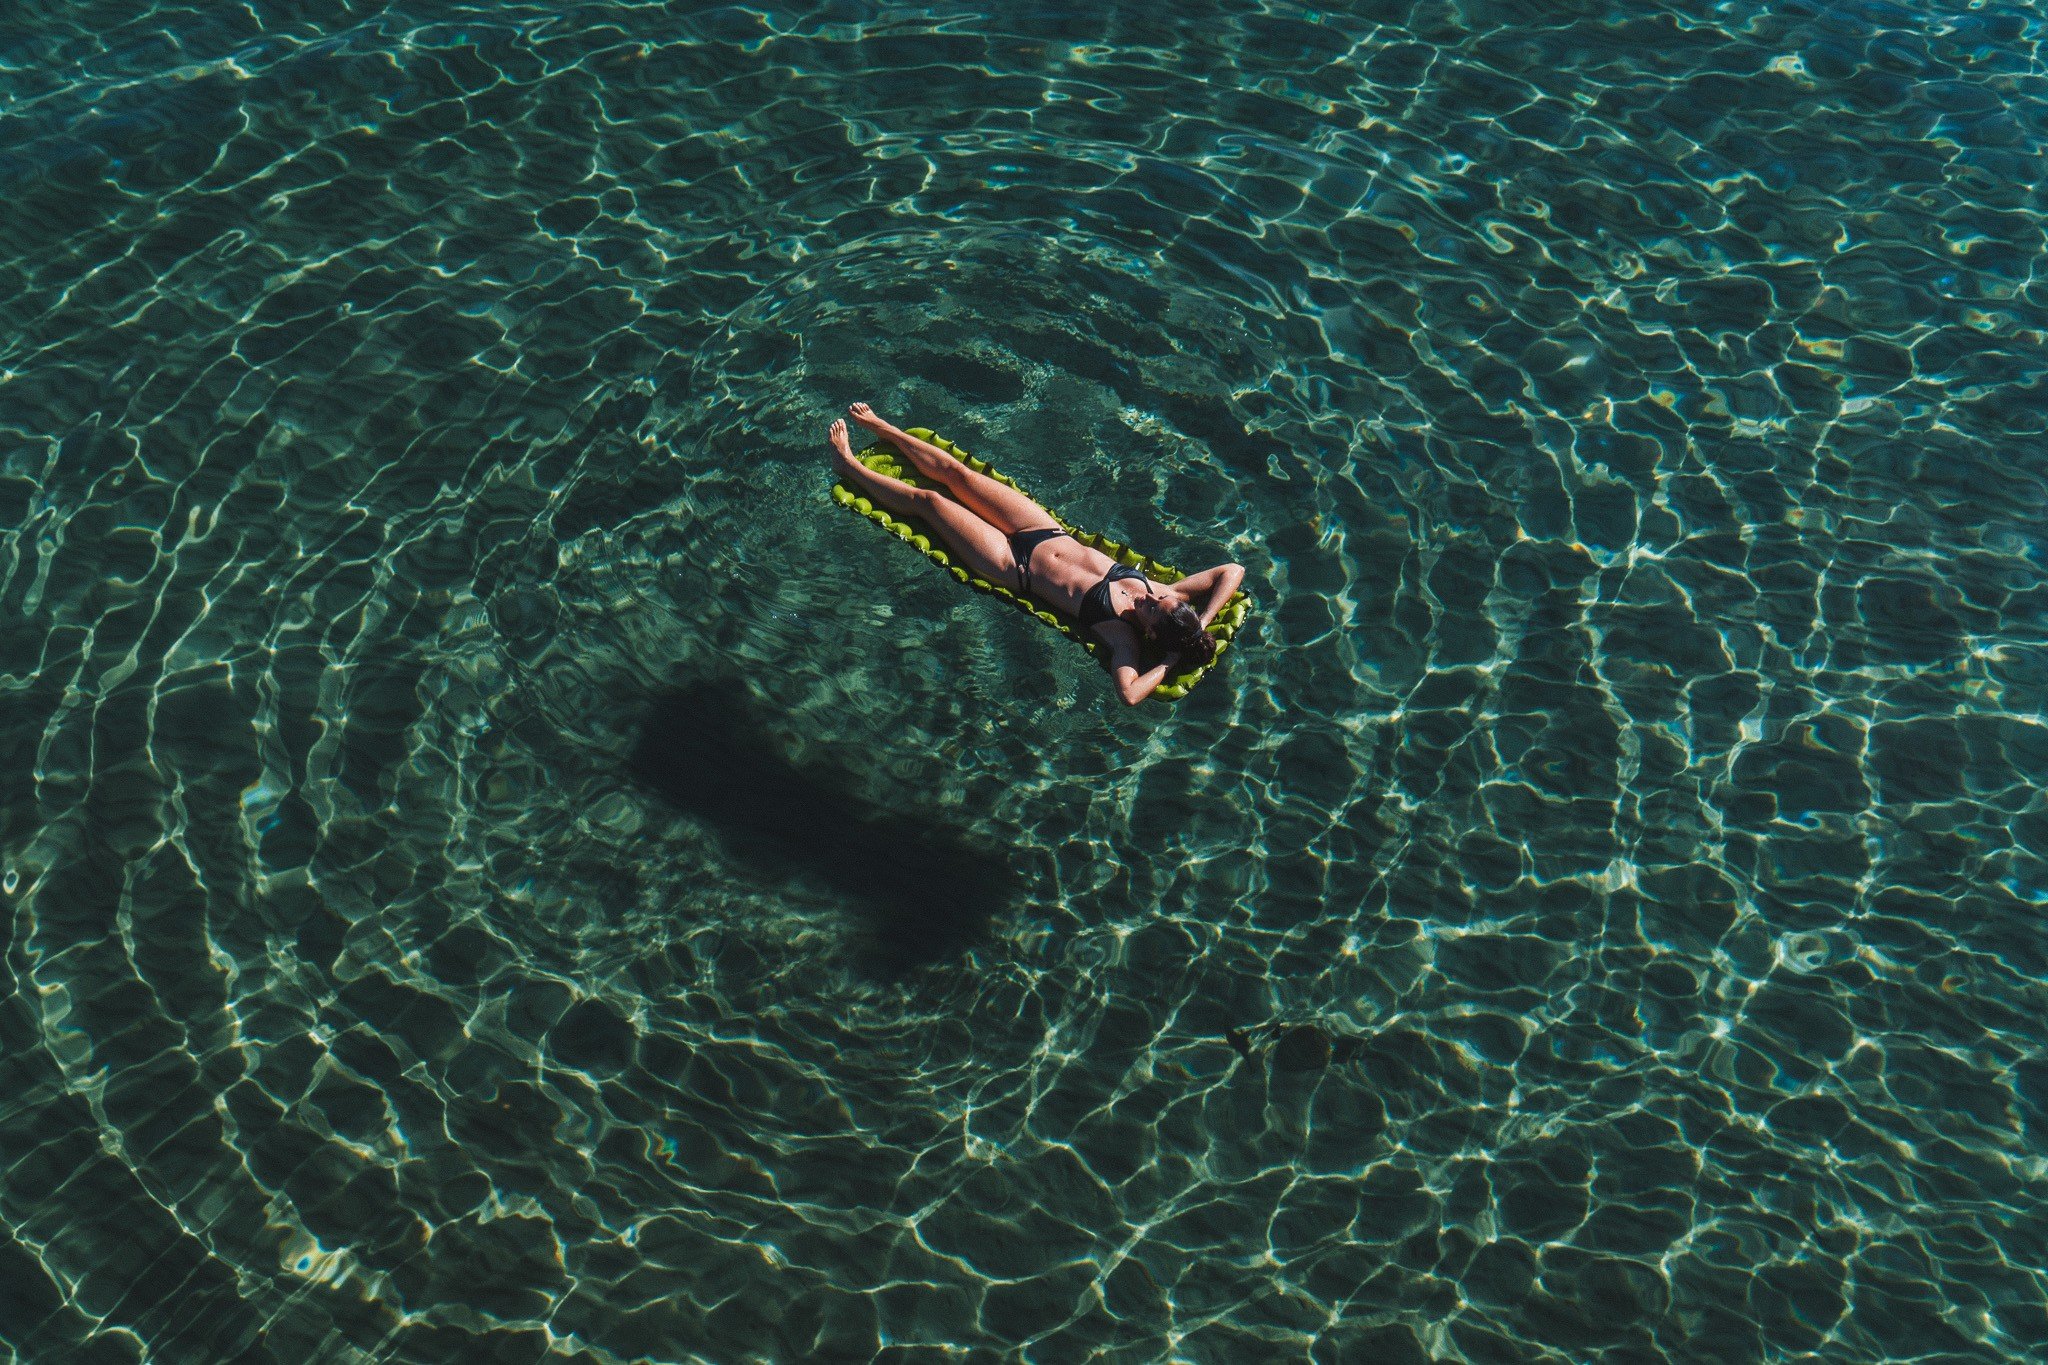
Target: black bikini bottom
1022,543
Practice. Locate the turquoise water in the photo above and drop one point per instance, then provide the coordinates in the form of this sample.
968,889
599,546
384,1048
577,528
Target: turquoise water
496,864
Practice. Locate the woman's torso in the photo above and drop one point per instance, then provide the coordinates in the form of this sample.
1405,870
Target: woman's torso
1064,572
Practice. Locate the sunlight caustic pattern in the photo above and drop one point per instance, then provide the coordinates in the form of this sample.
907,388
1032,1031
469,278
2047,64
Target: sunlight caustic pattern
496,866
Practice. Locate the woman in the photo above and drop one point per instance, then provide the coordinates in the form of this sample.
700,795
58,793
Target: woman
1005,537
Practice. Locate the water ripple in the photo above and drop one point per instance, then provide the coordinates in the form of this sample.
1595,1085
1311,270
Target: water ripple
496,868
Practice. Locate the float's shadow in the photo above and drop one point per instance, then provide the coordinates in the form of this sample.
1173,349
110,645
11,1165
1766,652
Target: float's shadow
925,892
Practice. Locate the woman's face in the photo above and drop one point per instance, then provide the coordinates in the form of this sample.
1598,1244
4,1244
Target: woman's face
1151,609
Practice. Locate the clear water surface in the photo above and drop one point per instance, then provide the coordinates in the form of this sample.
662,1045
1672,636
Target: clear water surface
497,867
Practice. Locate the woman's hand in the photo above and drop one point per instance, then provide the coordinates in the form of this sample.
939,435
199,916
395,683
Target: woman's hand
1208,590
1124,647
1226,585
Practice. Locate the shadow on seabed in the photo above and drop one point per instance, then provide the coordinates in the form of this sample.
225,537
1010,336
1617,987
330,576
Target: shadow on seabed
924,892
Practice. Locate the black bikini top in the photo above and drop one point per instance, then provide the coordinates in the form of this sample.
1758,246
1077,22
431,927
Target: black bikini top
1095,608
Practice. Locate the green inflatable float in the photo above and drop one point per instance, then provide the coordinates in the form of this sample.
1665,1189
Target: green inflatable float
875,457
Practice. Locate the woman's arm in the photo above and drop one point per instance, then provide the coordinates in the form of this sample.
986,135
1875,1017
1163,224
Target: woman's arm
1132,685
1208,590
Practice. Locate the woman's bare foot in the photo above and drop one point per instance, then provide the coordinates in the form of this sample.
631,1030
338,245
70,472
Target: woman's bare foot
843,462
865,415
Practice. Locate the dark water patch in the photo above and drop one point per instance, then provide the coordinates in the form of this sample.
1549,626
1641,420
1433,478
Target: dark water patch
927,893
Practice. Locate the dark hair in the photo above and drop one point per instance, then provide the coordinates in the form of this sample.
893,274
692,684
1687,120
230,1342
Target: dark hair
1180,630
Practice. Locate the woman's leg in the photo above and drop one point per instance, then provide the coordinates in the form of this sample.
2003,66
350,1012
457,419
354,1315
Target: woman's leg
995,502
981,548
